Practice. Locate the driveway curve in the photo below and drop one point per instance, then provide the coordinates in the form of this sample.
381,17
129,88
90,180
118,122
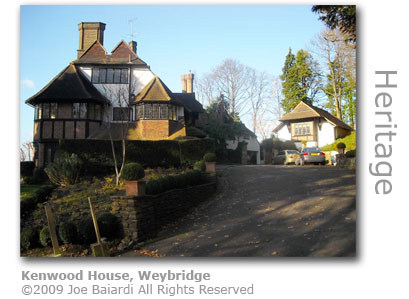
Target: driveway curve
269,210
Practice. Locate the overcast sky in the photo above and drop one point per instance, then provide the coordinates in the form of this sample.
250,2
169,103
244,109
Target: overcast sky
171,39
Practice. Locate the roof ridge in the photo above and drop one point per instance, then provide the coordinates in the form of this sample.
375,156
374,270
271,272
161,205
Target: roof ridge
95,42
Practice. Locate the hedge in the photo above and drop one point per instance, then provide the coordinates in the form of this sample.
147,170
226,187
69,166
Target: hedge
97,154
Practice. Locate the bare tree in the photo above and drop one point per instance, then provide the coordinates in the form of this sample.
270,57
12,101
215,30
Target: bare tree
258,93
334,55
29,149
120,96
22,155
231,80
206,89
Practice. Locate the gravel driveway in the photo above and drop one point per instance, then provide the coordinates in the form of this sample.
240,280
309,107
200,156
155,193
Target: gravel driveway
269,210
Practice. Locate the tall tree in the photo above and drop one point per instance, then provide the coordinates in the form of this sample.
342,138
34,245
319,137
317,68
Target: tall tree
337,61
258,93
342,17
300,79
231,80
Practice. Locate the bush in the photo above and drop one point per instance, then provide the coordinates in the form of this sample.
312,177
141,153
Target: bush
209,157
193,177
98,161
341,145
200,165
109,226
165,183
193,150
27,205
68,233
65,170
26,168
45,236
38,176
133,172
28,238
350,154
86,231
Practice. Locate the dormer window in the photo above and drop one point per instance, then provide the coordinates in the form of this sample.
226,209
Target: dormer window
109,75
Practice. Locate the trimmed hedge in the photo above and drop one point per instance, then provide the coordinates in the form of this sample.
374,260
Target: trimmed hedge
133,172
183,180
26,168
97,154
68,233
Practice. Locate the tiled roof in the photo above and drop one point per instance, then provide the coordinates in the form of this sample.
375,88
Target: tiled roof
121,54
304,110
156,90
70,85
189,102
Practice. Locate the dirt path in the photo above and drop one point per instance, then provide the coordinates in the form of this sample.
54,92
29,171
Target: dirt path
269,210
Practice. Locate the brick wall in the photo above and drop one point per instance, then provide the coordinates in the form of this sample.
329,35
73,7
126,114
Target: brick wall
142,217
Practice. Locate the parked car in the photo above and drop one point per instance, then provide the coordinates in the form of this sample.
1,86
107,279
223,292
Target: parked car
311,155
286,157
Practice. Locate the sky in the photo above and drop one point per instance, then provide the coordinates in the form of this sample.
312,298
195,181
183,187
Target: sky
172,40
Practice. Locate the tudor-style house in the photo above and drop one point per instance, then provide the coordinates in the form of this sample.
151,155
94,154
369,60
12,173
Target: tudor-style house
311,124
99,94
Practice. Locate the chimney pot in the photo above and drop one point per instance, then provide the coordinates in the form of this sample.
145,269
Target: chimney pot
187,83
133,45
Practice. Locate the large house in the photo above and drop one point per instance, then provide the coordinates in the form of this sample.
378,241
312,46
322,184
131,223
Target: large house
101,95
313,125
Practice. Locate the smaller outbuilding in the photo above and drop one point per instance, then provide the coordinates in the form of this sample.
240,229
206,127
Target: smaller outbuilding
312,125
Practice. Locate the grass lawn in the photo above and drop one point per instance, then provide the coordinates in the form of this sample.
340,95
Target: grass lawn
28,190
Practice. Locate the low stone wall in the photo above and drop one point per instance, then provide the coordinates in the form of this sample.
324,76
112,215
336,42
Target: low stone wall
143,216
344,162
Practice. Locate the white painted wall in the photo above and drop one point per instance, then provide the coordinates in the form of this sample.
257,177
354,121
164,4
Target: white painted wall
284,133
326,134
140,77
252,145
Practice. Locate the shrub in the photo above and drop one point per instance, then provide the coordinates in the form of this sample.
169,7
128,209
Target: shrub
193,150
341,145
165,183
109,226
350,154
200,165
28,238
26,168
133,172
68,233
65,170
38,176
45,236
193,177
209,157
86,231
28,204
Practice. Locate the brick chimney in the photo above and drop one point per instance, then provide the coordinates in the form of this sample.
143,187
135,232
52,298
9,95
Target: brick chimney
89,33
187,83
132,45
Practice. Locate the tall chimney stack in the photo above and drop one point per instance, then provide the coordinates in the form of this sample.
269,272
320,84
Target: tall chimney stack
187,83
89,33
133,45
